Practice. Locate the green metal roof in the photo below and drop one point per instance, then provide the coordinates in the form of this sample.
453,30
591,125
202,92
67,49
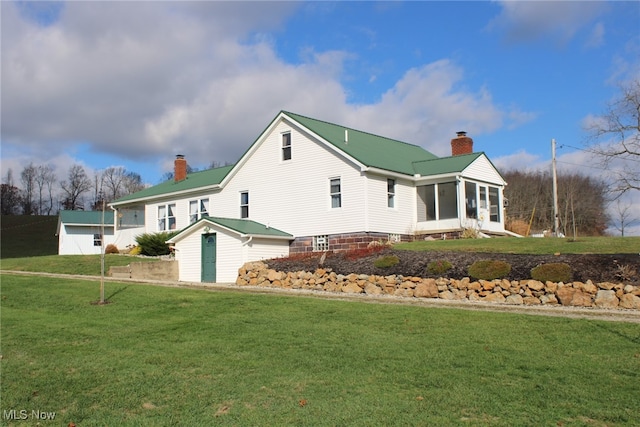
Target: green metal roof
370,150
444,165
86,217
247,226
193,181
241,226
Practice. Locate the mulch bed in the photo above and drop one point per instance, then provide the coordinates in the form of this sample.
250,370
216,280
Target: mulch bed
618,268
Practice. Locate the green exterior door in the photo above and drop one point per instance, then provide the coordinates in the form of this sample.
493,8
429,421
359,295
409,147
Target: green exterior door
208,258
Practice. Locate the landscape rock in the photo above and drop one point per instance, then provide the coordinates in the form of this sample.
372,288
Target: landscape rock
606,299
607,295
571,296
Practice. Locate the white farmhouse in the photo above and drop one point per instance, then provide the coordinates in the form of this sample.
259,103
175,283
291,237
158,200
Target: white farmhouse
308,185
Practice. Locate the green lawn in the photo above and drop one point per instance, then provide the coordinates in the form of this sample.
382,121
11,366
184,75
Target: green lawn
531,245
160,356
85,265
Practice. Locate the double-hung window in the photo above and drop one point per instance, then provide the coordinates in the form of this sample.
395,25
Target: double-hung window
244,204
97,239
336,193
391,193
286,146
166,217
198,209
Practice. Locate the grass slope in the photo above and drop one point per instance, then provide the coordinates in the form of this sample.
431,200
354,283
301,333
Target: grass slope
531,245
28,235
85,265
163,356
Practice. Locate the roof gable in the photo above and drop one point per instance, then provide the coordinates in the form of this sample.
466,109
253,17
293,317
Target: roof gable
243,227
369,149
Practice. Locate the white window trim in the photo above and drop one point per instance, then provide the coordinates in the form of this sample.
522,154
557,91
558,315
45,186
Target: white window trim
243,205
391,195
284,147
331,194
167,217
199,211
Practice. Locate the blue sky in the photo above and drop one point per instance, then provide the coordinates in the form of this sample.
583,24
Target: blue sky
134,83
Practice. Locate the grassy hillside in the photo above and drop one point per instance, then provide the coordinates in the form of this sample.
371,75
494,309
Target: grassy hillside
28,235
531,245
161,356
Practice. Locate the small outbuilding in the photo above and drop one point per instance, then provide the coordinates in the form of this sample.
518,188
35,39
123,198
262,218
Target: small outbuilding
81,232
212,249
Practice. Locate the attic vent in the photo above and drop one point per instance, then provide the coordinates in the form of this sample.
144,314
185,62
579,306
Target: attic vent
346,136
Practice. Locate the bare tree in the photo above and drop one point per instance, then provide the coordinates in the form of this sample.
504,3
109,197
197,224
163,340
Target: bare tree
614,138
44,180
624,217
98,191
132,183
118,182
28,179
77,184
10,194
582,200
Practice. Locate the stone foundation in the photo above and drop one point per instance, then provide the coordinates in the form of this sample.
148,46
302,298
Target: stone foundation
516,292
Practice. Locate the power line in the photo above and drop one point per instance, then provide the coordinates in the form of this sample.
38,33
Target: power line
596,152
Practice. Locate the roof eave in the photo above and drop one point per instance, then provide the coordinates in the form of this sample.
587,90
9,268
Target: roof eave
165,195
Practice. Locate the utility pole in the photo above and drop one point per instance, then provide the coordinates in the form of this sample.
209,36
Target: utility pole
102,257
556,222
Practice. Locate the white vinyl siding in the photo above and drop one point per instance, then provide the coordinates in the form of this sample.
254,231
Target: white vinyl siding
232,251
482,170
80,240
294,195
399,220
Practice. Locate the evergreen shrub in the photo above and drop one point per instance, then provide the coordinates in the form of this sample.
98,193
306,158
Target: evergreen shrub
552,272
489,269
438,267
386,261
153,244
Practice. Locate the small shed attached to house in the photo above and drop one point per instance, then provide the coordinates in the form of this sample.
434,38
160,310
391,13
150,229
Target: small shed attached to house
212,249
80,232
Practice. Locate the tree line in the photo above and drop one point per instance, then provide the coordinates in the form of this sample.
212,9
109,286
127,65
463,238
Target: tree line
582,202
37,191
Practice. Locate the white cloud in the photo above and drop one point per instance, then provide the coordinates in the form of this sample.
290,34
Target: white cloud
147,80
525,21
596,38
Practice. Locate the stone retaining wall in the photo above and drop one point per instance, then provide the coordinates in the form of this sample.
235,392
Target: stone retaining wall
522,292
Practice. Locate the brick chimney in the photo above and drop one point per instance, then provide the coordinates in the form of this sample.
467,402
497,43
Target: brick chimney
180,168
461,144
